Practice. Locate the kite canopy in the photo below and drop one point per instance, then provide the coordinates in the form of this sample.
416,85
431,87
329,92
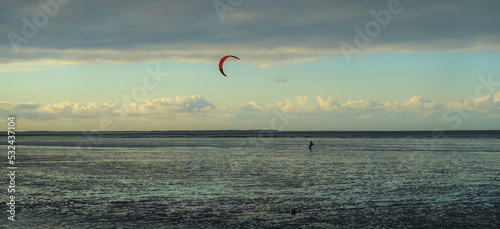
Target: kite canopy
222,62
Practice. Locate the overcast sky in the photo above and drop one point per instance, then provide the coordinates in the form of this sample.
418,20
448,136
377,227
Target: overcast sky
324,65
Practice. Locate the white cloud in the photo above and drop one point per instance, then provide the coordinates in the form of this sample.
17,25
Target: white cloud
69,108
414,104
358,105
194,103
474,104
328,104
180,104
300,104
197,103
496,97
195,112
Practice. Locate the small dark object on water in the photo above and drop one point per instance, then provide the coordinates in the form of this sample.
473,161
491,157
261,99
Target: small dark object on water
293,211
311,144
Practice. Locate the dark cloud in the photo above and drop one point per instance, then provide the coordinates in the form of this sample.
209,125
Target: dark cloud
261,24
37,116
28,106
280,79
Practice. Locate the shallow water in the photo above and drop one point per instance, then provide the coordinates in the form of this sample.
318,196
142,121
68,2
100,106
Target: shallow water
206,182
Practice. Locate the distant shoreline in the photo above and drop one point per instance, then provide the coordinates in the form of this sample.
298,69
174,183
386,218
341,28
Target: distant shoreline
257,130
271,133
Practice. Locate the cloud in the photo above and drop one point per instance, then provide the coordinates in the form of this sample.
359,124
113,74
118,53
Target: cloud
195,112
180,104
27,106
40,58
253,106
365,117
496,98
358,105
300,104
414,104
328,104
76,109
275,32
197,105
16,106
27,110
475,104
280,79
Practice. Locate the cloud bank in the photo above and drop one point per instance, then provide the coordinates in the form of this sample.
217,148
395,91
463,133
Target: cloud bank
196,112
296,31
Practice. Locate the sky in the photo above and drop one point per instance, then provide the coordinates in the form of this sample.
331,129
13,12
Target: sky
68,65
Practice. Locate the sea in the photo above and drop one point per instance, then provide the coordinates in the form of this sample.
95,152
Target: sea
254,179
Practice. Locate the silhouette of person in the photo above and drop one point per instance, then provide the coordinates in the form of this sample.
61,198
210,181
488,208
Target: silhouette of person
311,144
